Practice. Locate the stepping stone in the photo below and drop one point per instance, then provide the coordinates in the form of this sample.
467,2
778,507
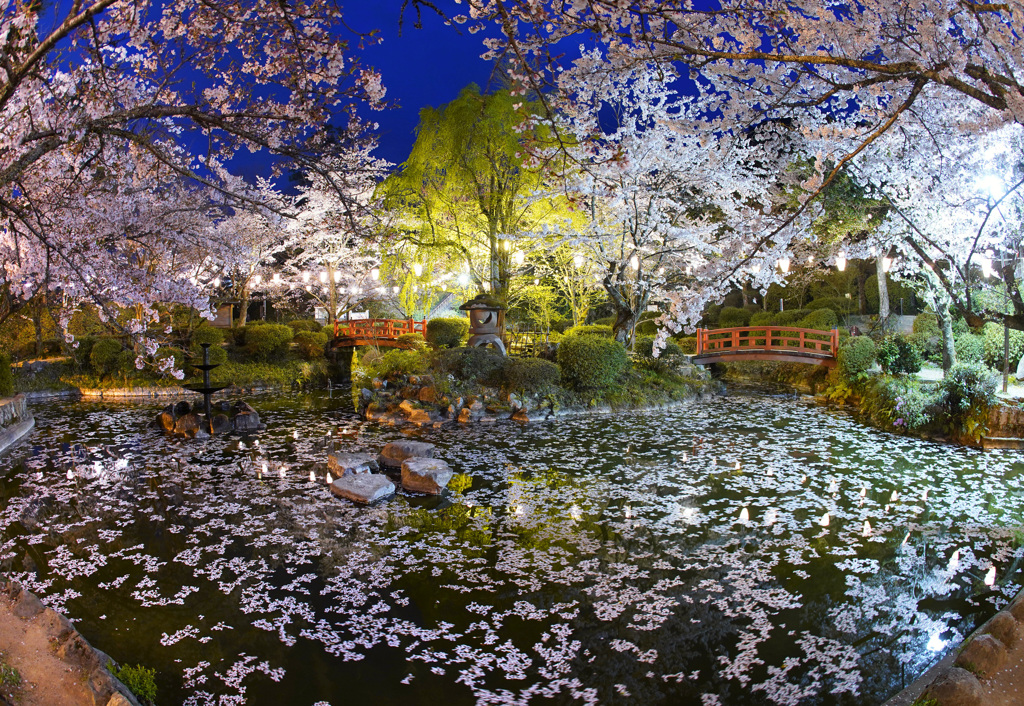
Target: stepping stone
343,464
397,451
363,488
425,475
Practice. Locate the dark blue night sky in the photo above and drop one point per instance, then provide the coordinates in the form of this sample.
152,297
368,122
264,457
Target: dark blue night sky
422,67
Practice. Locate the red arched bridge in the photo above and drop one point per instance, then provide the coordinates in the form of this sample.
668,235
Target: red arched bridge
773,343
375,332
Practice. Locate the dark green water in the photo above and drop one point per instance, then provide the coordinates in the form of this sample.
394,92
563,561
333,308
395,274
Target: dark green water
598,560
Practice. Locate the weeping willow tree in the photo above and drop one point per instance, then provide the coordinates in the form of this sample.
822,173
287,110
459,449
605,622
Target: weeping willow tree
468,188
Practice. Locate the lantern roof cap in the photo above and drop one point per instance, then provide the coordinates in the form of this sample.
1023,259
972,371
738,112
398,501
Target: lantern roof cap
481,301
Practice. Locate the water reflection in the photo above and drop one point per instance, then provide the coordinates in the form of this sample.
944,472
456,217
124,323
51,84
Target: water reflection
758,551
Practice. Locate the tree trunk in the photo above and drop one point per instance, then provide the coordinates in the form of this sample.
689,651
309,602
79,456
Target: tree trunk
862,297
332,290
37,323
243,315
945,318
883,292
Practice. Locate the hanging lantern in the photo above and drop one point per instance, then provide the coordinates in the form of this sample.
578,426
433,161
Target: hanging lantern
375,274
417,269
323,278
784,264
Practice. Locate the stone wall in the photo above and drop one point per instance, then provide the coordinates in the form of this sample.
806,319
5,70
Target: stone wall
13,410
1006,421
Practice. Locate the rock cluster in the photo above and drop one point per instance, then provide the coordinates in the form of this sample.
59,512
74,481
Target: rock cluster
189,421
358,478
417,401
70,647
980,658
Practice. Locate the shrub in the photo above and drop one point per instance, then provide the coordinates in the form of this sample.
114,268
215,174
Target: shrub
590,362
993,334
734,317
820,319
447,332
472,365
927,335
165,352
593,329
396,364
970,348
304,325
762,318
687,344
265,341
856,355
206,334
139,680
6,377
645,347
900,402
530,375
646,325
103,355
965,395
608,321
412,340
897,355
311,344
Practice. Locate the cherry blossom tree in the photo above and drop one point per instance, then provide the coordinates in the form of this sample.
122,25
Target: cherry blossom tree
115,114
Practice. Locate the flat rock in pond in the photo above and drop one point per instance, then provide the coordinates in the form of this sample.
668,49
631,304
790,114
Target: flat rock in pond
187,425
397,451
363,488
425,475
247,421
342,464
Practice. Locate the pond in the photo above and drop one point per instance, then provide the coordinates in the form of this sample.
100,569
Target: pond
752,550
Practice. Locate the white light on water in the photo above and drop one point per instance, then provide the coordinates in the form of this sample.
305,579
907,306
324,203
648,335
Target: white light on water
866,532
744,516
824,521
574,513
312,477
954,562
770,517
833,486
990,576
936,643
894,497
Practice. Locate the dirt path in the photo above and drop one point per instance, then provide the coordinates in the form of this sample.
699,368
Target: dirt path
45,679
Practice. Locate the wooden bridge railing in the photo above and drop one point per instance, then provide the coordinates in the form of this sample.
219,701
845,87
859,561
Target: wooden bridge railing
780,339
382,329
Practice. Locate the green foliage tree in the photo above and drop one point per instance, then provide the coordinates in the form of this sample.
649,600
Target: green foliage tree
466,187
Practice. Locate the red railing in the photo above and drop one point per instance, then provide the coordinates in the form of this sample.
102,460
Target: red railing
780,339
381,329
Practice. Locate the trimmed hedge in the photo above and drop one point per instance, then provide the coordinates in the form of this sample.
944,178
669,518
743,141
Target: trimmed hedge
856,355
413,340
645,347
993,334
970,348
591,362
530,375
687,344
6,376
104,354
206,334
304,325
447,332
475,365
398,363
590,330
898,355
734,317
965,394
265,341
311,344
820,319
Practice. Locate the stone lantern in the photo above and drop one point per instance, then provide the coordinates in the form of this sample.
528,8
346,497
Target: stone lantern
486,322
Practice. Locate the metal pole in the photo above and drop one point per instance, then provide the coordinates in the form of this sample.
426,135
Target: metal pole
1006,357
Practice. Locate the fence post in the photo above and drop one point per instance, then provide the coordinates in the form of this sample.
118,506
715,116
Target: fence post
700,340
735,339
802,341
768,338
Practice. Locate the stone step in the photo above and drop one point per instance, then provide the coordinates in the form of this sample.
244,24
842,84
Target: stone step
1001,442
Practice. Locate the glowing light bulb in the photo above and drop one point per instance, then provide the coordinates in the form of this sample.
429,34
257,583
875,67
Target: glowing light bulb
375,274
417,269
305,276
323,278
